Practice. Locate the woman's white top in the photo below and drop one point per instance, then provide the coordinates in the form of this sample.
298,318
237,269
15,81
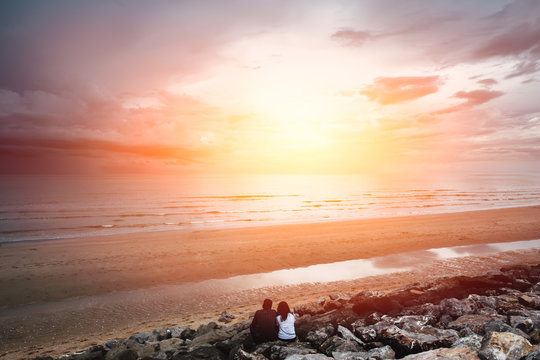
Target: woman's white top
286,328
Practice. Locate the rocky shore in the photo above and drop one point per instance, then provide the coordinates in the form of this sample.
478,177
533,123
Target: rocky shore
489,317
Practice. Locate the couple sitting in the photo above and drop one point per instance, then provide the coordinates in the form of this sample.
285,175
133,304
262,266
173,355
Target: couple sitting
269,325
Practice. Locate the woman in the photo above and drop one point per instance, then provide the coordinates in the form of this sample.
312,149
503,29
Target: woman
285,320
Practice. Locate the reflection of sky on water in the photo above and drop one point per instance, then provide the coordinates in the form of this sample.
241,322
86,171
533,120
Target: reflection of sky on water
355,269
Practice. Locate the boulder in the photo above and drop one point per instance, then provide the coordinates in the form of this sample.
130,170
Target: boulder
349,355
213,336
412,322
348,335
406,342
94,353
497,325
382,353
503,345
308,357
203,329
206,352
144,337
318,336
457,353
181,332
472,342
533,356
338,344
368,302
284,350
311,308
477,323
456,308
240,354
124,349
226,317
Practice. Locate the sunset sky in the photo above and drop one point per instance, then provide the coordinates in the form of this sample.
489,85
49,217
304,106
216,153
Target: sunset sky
269,86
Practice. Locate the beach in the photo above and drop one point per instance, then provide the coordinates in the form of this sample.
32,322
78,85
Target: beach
39,278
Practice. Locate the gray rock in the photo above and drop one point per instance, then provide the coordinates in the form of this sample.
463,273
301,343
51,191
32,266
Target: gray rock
349,355
473,343
203,329
213,336
348,335
240,354
533,356
94,353
312,308
124,349
406,342
457,353
317,337
382,353
338,344
143,337
412,322
200,353
496,325
307,357
226,317
456,308
182,332
477,323
280,352
504,345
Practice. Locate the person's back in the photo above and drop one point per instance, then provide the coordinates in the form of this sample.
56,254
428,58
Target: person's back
263,327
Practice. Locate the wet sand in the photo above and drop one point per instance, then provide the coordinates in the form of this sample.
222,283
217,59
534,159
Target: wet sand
59,296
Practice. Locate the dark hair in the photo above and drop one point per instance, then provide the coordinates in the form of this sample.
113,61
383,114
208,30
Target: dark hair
283,310
267,304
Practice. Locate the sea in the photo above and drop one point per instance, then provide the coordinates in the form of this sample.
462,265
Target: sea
38,208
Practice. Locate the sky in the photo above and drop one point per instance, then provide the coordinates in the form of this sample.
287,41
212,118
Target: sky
270,86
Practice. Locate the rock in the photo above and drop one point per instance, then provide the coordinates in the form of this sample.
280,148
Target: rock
200,353
243,355
457,353
533,356
213,336
280,352
312,308
496,325
128,354
94,353
348,335
308,357
412,322
318,336
340,297
382,353
476,323
226,317
522,323
182,332
349,355
473,343
406,342
338,344
123,349
368,302
203,329
503,345
143,337
241,339
332,304
456,308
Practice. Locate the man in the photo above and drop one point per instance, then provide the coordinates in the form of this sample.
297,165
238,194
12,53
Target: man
263,327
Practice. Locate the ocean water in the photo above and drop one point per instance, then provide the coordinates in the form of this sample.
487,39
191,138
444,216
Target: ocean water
53,207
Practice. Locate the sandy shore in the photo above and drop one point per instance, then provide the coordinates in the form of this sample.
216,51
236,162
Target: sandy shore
38,279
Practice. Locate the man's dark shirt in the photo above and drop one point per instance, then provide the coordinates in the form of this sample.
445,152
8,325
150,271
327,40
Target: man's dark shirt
263,327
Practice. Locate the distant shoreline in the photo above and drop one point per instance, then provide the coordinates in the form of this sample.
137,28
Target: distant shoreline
248,226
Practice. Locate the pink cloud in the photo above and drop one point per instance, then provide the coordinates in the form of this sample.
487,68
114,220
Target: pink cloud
351,37
472,98
393,90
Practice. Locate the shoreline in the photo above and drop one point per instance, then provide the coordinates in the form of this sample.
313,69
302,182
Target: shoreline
68,268
254,226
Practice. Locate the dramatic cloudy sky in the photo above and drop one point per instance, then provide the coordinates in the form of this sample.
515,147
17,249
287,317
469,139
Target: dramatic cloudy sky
269,86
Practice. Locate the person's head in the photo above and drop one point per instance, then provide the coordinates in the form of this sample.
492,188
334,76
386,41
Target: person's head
267,304
283,310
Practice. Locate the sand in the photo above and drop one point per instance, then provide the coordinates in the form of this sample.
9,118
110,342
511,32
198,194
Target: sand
50,289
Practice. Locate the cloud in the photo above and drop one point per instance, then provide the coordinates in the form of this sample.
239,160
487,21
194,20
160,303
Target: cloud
393,90
351,37
472,98
524,68
487,82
